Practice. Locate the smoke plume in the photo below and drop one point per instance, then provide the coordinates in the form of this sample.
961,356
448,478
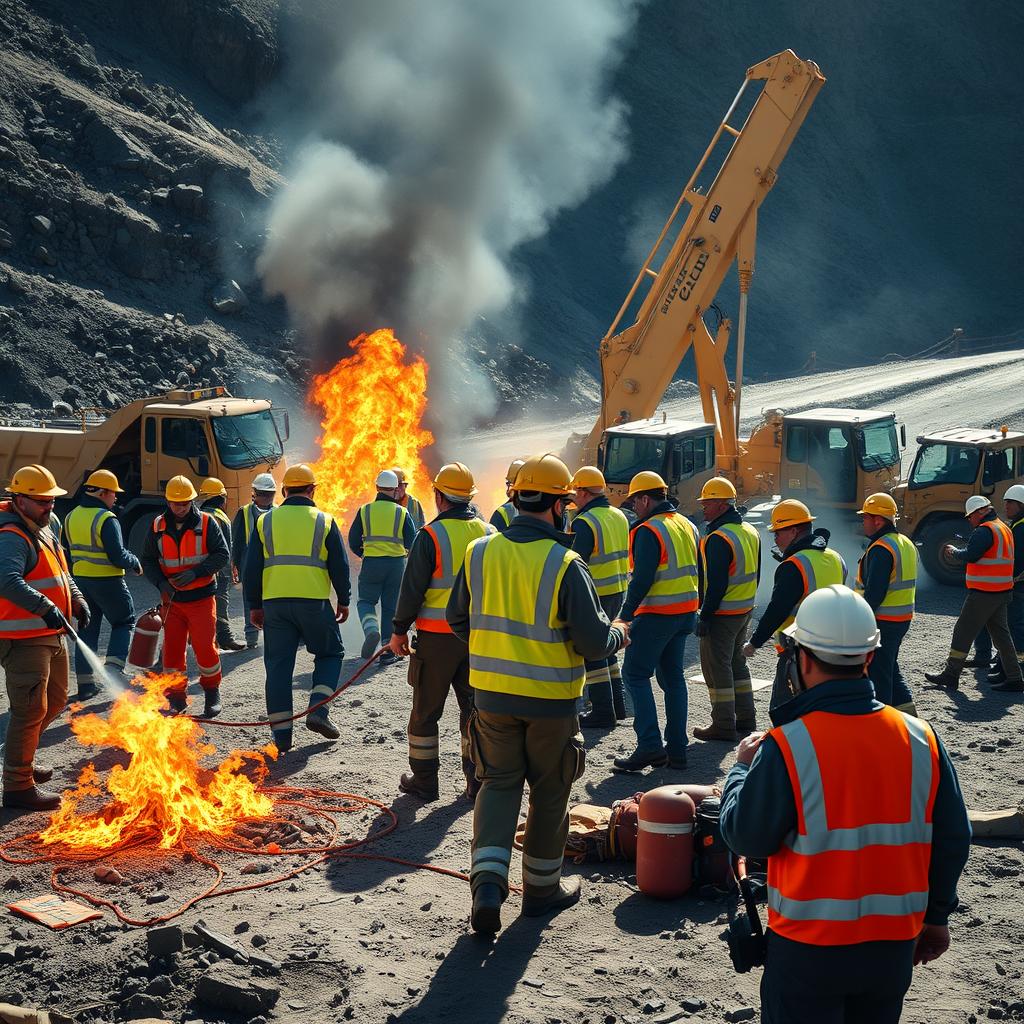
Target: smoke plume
432,139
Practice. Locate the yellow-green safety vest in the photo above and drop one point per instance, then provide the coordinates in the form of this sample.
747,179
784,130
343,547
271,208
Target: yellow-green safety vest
88,556
295,552
383,529
517,642
819,567
674,590
251,516
900,597
415,509
741,591
507,513
609,562
451,538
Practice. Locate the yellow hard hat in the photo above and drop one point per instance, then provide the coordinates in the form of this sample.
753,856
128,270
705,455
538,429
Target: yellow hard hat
179,488
790,513
545,474
880,504
513,469
35,482
400,473
211,487
717,487
456,480
299,475
104,480
648,480
589,478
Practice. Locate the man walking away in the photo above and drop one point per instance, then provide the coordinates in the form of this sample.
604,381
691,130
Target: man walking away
264,490
528,609
99,561
439,662
296,555
381,533
216,495
730,568
858,810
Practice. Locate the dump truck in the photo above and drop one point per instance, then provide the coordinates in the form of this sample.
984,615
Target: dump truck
194,433
950,466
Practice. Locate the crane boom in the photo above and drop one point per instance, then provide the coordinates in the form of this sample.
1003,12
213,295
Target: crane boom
720,226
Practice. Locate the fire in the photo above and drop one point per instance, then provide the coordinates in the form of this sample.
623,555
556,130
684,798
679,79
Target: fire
371,410
164,790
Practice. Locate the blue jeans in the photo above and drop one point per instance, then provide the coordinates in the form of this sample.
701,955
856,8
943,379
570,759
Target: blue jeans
657,644
380,579
109,599
287,622
890,686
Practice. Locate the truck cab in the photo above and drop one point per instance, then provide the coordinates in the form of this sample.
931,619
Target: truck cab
950,466
836,457
682,452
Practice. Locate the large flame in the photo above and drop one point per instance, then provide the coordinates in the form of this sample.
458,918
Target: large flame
164,790
371,407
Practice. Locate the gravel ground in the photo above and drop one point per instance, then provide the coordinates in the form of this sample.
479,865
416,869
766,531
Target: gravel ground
377,941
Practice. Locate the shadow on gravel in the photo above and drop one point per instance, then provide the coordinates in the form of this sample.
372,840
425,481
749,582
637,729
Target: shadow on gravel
640,915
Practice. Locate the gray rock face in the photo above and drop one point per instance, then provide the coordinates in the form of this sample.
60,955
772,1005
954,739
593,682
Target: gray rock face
228,298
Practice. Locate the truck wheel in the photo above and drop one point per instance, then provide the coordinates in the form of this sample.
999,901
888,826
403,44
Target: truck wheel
137,534
931,541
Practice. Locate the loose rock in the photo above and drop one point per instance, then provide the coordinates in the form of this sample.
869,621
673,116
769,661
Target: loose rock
225,985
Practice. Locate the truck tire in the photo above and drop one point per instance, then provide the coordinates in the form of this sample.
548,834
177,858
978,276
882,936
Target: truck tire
137,533
930,541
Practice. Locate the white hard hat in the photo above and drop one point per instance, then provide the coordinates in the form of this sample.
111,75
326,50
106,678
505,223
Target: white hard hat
264,482
975,503
836,625
1015,493
387,480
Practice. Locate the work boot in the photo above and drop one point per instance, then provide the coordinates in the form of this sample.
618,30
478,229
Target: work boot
212,707
283,741
87,689
324,726
1010,686
942,681
486,914
597,720
567,894
975,662
41,773
419,787
639,760
714,732
230,643
251,645
370,644
31,799
178,701
387,658
746,728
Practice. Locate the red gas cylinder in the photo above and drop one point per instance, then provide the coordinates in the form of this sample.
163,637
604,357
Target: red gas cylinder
142,652
664,847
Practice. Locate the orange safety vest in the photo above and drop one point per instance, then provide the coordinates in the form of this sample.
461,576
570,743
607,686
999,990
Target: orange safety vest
856,868
994,570
49,576
187,553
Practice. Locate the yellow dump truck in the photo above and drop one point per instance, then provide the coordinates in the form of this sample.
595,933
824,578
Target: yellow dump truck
193,433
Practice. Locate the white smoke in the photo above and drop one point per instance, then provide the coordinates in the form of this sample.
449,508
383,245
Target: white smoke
432,139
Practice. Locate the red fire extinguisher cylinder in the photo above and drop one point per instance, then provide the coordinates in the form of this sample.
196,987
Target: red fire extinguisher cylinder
146,639
664,847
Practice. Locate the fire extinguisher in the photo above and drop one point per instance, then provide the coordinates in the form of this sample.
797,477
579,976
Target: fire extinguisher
142,652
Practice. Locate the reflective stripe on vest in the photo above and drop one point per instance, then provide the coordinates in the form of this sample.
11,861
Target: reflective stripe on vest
294,541
674,590
994,571
251,516
383,529
221,516
609,561
451,538
741,591
517,642
415,510
188,552
856,868
818,567
49,576
507,513
88,556
900,596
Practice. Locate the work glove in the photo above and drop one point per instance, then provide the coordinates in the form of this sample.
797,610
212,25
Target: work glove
702,628
54,619
183,579
82,613
256,617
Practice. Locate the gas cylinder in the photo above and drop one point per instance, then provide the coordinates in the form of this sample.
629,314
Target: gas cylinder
664,846
142,652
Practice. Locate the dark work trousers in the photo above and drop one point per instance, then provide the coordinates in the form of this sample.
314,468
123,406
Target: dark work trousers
858,984
1015,620
605,690
983,609
781,687
890,686
439,663
287,622
726,674
380,579
656,648
109,599
223,602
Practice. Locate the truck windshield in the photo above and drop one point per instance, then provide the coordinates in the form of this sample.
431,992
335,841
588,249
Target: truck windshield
945,464
626,455
877,445
247,440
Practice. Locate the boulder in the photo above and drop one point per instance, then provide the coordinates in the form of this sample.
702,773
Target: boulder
227,986
228,298
188,199
42,225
